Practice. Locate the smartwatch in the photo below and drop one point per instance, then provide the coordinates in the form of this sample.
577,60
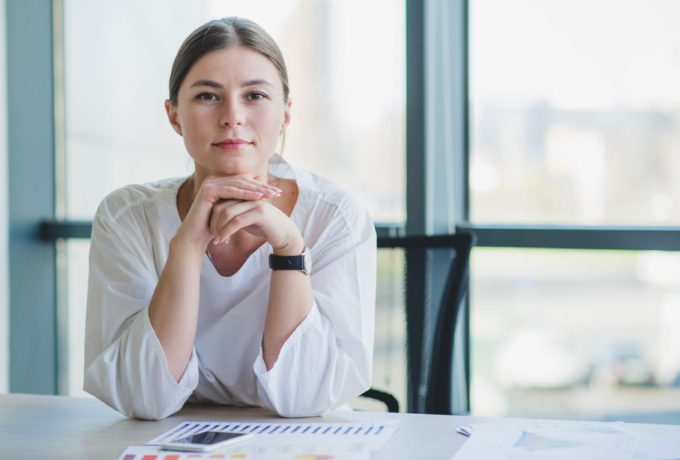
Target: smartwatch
301,263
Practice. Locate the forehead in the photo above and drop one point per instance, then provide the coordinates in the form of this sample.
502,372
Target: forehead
233,65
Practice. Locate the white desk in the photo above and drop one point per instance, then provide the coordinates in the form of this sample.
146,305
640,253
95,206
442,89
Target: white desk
80,428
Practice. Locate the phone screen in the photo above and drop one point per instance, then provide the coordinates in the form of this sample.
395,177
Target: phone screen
207,438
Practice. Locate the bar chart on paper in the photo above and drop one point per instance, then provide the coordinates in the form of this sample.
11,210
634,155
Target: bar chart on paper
153,454
276,441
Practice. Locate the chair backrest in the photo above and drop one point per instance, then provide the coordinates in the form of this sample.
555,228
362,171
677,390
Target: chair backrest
436,283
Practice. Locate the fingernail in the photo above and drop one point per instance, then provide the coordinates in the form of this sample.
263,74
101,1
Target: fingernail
216,241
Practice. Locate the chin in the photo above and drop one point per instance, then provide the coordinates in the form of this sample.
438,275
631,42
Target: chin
236,170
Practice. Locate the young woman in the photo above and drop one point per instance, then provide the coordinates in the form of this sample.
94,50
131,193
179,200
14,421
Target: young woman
202,288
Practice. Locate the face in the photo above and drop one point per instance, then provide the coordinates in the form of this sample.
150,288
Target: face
230,111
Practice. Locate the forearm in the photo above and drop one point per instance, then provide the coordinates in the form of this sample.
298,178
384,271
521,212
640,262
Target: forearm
173,310
290,300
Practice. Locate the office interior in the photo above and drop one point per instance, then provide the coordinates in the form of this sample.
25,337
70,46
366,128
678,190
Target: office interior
550,130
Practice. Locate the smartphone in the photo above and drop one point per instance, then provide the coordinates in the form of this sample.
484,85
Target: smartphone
206,441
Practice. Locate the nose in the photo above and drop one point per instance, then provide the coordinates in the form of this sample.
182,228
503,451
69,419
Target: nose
233,114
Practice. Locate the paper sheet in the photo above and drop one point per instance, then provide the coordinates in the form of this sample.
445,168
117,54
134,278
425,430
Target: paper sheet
653,446
567,440
589,442
277,441
245,452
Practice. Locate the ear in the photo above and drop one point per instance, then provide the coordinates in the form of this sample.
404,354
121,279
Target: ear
171,110
286,115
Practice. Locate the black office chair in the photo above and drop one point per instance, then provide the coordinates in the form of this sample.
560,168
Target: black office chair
384,397
436,283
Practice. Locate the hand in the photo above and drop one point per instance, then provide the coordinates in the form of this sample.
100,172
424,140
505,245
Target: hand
195,228
259,218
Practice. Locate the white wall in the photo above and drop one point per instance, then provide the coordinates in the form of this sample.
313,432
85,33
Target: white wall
4,292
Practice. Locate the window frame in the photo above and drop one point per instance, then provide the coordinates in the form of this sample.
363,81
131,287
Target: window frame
33,325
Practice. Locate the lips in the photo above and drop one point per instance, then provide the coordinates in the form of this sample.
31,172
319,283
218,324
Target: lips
232,144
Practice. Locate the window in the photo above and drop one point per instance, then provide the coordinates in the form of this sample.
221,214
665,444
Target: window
574,111
347,85
574,121
578,334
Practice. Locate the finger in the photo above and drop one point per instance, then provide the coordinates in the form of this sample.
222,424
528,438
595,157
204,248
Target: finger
215,192
219,208
263,180
225,213
246,183
251,217
226,203
265,190
256,181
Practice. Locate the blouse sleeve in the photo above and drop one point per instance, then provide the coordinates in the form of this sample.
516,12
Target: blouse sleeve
125,365
327,360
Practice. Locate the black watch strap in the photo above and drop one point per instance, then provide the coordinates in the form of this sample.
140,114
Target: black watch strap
302,262
286,262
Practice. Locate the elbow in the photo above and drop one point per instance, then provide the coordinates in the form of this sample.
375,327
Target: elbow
298,404
329,396
126,403
131,409
300,410
151,412
153,416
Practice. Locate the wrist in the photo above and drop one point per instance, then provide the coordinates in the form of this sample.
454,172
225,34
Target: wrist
292,247
183,247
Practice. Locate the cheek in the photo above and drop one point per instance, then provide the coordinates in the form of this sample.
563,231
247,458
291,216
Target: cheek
195,123
272,122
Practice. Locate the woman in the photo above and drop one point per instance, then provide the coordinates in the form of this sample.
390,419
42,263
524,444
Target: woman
201,288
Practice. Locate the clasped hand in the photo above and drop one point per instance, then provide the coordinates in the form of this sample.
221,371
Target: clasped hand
225,205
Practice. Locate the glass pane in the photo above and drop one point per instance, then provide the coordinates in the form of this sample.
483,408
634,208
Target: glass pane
576,334
343,127
74,275
575,113
118,55
389,359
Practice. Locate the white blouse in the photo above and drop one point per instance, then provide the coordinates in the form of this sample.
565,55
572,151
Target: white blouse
325,362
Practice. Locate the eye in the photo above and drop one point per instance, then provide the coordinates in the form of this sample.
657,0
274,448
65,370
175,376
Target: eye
210,97
256,96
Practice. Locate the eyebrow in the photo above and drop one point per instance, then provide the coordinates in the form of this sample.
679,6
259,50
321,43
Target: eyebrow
214,84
